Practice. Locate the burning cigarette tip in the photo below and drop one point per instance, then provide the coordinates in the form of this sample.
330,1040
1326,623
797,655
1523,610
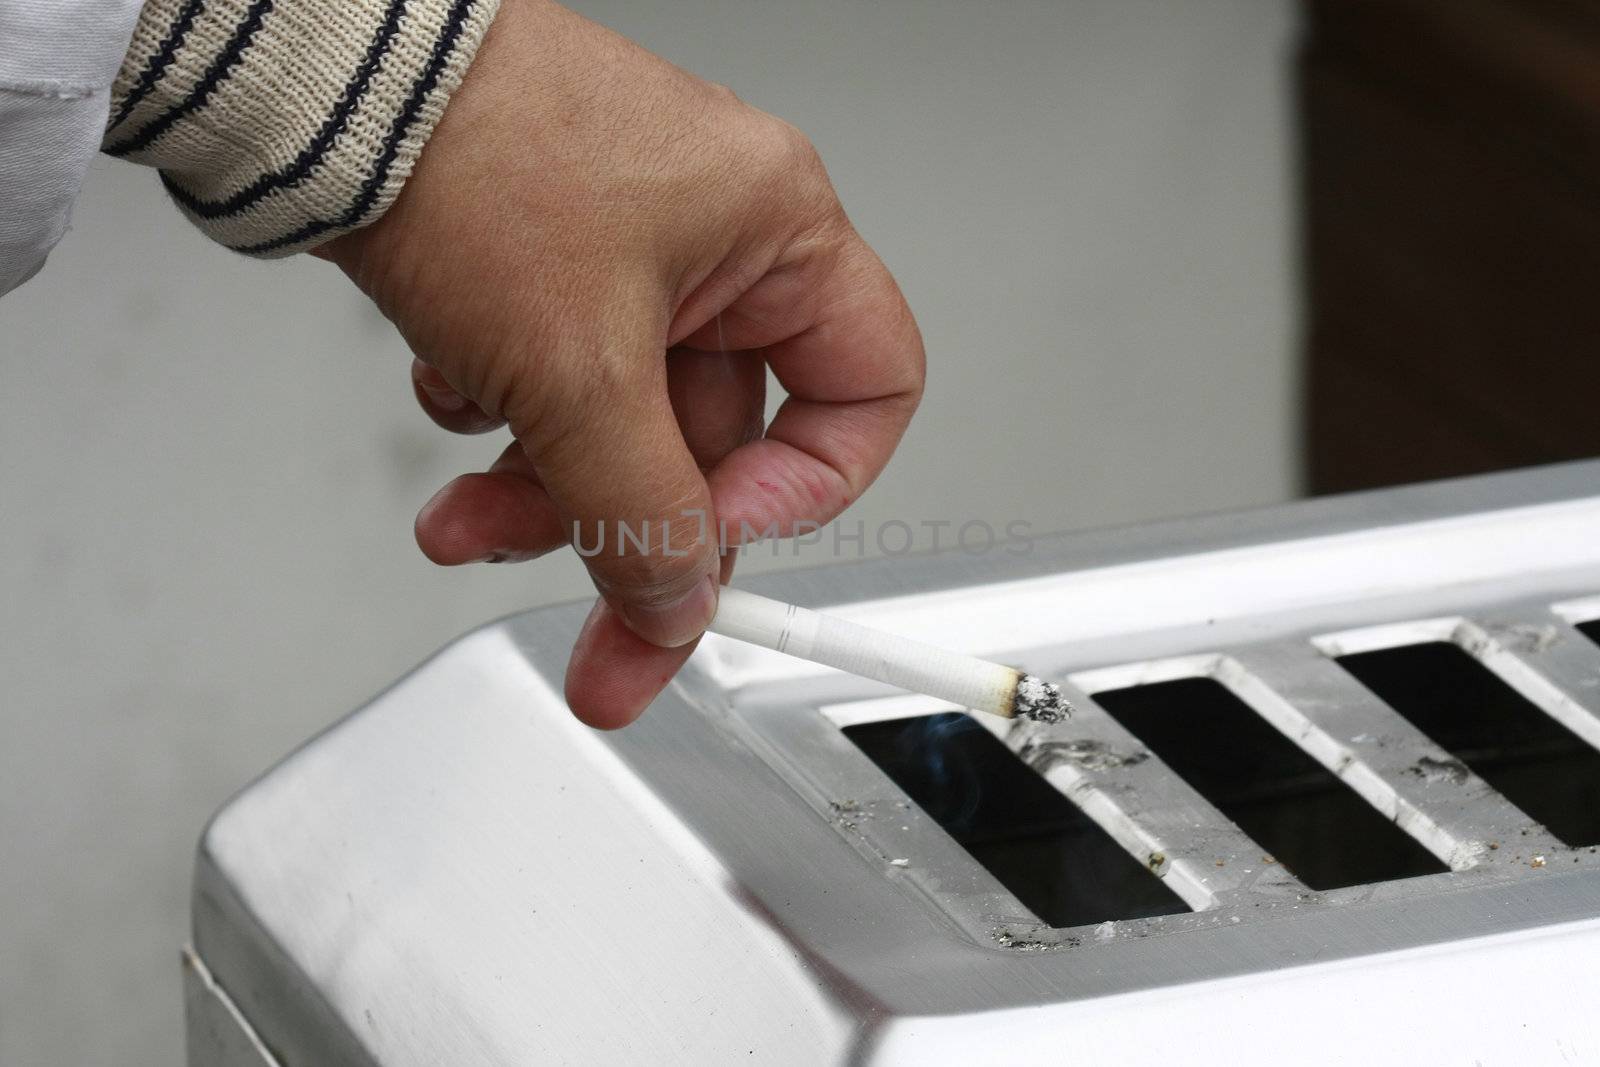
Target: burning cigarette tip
1040,701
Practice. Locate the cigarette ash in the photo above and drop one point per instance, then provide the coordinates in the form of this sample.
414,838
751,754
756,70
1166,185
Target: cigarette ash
1024,943
1040,701
850,813
847,814
1528,637
1082,752
1439,770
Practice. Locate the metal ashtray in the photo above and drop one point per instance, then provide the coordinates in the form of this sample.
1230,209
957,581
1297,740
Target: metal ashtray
1332,796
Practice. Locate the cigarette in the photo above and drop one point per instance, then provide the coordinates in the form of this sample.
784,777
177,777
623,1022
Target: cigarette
963,680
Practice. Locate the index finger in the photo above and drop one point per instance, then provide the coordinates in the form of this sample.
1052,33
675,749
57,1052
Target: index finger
851,359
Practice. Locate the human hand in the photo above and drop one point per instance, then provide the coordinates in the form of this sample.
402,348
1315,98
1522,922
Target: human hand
607,253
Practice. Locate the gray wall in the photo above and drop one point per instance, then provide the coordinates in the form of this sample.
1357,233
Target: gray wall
208,467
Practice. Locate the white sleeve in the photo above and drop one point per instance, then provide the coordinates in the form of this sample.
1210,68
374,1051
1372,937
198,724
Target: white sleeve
58,59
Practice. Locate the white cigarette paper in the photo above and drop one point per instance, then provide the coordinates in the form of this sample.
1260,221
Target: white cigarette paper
963,680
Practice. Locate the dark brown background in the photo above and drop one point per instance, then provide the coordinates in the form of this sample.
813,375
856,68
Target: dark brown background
1452,177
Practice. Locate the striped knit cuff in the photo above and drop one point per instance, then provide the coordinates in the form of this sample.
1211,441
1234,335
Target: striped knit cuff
280,124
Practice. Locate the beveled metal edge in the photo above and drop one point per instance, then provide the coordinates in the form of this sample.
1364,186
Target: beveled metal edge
218,1034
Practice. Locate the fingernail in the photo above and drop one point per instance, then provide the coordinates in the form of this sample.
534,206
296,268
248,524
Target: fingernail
444,399
677,622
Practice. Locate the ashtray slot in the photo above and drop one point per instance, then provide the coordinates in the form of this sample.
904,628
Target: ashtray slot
1591,630
1052,857
1295,808
1534,761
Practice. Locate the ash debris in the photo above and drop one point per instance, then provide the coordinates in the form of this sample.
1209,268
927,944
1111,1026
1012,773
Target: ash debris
1097,755
1040,701
847,814
1007,939
1439,770
1530,637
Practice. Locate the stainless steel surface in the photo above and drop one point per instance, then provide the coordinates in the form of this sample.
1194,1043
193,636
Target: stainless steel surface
460,873
218,1036
1358,737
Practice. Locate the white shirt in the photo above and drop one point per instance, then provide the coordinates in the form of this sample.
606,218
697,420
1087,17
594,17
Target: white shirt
276,124
58,59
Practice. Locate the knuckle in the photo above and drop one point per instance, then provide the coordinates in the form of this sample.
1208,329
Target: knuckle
790,173
784,152
723,93
796,153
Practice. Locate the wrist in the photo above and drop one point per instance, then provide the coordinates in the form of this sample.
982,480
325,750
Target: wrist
280,124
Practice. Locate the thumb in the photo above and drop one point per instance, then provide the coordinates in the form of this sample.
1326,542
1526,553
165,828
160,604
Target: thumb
634,504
